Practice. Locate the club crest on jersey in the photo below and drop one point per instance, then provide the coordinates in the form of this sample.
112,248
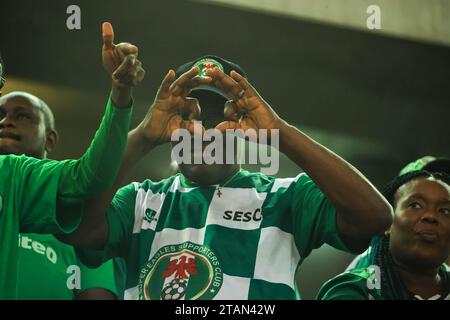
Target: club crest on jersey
150,215
185,271
205,64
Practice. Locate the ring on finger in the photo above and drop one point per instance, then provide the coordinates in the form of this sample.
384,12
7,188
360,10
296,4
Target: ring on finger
240,95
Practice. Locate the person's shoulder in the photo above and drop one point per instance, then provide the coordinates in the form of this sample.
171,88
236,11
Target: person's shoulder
28,162
354,276
354,284
274,185
9,159
256,177
162,185
260,179
5,161
17,161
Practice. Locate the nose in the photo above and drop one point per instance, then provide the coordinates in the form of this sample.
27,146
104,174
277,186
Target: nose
429,217
6,122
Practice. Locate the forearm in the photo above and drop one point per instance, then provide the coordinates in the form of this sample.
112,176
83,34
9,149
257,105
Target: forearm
121,96
93,230
97,169
136,148
357,201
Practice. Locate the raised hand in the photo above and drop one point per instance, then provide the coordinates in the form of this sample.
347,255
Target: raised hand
246,109
120,60
172,108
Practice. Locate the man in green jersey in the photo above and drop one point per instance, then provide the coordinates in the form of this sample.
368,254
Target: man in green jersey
214,231
48,268
407,262
57,272
45,196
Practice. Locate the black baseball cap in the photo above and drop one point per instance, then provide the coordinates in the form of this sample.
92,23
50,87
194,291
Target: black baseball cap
430,164
208,62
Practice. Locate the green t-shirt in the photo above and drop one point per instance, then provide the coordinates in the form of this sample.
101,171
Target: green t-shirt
245,240
49,269
361,261
46,196
358,284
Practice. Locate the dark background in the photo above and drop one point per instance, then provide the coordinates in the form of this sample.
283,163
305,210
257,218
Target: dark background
377,101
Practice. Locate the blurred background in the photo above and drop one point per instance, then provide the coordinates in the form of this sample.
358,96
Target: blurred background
379,98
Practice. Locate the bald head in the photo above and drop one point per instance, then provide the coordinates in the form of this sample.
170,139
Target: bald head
35,102
27,125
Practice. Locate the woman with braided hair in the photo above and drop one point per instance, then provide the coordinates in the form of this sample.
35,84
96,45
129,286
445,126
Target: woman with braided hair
407,262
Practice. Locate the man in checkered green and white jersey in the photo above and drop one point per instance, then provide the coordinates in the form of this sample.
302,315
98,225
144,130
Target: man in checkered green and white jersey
215,231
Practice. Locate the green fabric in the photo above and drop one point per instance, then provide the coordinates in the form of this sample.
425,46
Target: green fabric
416,165
365,284
45,196
359,284
360,261
50,270
109,276
97,169
375,277
28,191
248,237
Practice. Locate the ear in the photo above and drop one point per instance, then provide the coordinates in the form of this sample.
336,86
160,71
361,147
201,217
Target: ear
388,231
51,141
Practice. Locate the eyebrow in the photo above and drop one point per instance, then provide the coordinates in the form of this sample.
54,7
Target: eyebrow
422,197
18,109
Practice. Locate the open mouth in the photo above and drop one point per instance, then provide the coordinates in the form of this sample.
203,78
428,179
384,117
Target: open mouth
9,135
